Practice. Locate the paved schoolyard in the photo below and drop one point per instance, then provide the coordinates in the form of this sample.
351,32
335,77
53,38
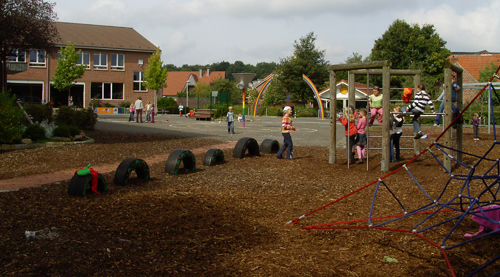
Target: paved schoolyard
310,131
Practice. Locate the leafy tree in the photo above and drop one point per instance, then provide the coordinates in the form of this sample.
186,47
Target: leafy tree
411,47
263,69
484,76
67,71
354,58
274,95
155,73
26,24
201,89
225,86
308,60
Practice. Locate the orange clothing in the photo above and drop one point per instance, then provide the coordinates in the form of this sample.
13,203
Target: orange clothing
286,124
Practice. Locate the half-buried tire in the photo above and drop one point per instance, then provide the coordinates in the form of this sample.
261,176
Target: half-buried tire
126,167
213,156
80,185
177,156
245,144
270,146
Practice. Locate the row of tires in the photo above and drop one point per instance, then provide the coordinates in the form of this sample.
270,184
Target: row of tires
81,185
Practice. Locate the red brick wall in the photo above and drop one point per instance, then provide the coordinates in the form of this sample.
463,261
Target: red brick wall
93,75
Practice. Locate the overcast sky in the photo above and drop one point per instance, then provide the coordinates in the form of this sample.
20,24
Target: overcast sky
252,31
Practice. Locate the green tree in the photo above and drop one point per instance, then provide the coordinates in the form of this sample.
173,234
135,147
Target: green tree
11,119
308,60
201,89
155,73
484,76
354,58
274,95
26,24
225,86
411,47
67,71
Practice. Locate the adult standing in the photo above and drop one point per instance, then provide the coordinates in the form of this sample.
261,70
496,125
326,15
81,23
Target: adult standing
148,112
138,108
286,124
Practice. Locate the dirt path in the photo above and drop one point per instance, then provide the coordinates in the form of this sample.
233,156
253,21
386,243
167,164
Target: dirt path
62,175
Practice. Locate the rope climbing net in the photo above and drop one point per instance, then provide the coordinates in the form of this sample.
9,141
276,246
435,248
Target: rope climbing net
470,190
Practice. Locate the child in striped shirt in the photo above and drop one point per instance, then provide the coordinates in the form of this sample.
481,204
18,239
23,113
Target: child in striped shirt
286,124
422,99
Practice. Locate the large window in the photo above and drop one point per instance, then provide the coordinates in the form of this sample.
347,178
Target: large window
139,81
118,61
37,58
106,91
100,61
84,59
17,56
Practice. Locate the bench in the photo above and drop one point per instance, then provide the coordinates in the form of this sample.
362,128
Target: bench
203,114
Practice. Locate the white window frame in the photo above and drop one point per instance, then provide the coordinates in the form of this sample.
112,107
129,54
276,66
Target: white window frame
117,66
98,65
140,81
38,63
80,59
16,56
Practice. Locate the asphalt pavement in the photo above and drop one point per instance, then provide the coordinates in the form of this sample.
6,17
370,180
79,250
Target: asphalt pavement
310,131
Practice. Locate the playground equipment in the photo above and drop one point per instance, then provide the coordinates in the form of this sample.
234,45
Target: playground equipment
86,180
243,79
177,156
270,146
471,193
126,167
383,68
245,144
213,157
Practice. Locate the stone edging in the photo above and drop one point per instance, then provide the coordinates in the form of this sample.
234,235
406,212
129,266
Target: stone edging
6,147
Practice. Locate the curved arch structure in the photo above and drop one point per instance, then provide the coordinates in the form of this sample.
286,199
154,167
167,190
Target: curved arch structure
316,93
264,87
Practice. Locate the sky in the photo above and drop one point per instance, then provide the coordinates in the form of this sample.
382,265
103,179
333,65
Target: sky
252,31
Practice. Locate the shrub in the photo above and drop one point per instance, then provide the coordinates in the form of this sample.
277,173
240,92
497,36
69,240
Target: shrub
109,105
62,130
167,102
85,119
125,104
65,115
39,112
34,132
73,131
48,127
11,119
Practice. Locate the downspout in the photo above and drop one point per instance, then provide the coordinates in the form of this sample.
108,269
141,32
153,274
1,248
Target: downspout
48,80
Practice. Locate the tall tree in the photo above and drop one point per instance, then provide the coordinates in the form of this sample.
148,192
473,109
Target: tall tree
67,71
155,73
308,60
25,24
484,76
411,47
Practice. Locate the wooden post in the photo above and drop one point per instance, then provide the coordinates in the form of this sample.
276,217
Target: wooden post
333,117
460,99
386,107
416,142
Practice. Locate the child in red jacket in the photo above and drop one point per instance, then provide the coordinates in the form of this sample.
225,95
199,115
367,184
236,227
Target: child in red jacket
350,131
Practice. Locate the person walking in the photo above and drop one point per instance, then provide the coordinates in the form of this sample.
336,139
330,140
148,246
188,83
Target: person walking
180,109
152,113
286,127
138,108
230,121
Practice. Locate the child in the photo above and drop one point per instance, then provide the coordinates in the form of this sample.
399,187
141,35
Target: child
397,130
375,102
360,147
286,124
350,131
131,118
422,99
240,118
152,113
475,126
148,112
230,121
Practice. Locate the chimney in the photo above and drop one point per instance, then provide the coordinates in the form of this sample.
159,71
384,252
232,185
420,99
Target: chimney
208,72
201,73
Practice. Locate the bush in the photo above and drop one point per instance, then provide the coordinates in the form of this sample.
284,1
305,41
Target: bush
73,131
167,102
109,105
84,119
39,112
11,119
125,104
49,128
62,130
34,132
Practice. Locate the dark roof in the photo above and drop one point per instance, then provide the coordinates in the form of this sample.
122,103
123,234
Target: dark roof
102,37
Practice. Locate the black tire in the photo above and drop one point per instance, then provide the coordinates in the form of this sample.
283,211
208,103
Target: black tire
213,156
80,185
270,146
242,145
128,165
177,156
